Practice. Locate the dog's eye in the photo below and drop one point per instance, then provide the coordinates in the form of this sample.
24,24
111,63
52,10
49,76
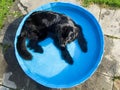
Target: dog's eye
68,28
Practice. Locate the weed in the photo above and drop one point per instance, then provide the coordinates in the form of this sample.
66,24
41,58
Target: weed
4,9
111,3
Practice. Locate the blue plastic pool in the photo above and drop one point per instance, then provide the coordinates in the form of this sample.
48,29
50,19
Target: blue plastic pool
48,68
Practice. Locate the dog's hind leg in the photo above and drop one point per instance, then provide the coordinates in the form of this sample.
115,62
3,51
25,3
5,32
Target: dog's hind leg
22,48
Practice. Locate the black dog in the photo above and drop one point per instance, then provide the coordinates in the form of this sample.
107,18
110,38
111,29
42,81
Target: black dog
60,28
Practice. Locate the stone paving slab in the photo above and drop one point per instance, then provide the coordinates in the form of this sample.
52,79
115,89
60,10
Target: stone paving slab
74,88
95,10
115,55
110,64
116,85
98,82
8,82
4,88
2,65
110,22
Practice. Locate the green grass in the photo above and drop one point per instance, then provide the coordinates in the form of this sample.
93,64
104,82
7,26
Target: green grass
4,10
111,3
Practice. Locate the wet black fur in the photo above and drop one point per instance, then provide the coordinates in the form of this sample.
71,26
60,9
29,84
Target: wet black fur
42,24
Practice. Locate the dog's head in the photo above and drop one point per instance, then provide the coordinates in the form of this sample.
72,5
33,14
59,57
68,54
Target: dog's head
67,33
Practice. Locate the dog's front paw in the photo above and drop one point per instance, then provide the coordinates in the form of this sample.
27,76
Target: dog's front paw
66,56
69,60
38,49
84,47
82,43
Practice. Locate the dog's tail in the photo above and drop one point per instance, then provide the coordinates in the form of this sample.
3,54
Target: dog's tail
21,47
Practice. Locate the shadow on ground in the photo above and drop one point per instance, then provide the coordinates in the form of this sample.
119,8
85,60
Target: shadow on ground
21,80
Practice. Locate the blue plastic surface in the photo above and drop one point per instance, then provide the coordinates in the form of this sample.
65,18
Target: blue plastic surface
49,69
